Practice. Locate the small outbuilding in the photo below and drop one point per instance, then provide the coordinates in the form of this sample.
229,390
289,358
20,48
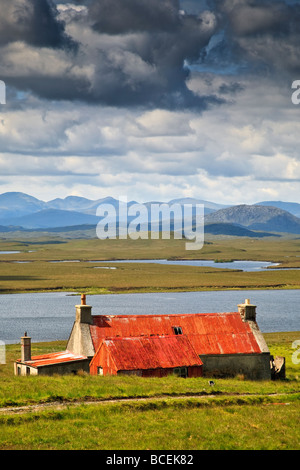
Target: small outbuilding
64,362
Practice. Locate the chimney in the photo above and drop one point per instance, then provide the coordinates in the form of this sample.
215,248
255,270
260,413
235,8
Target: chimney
25,348
247,311
83,311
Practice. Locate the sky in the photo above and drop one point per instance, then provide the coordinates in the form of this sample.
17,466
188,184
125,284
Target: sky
151,99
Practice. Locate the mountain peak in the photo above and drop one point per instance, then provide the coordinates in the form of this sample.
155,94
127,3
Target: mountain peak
257,217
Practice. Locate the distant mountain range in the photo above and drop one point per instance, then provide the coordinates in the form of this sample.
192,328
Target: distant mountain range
19,211
49,218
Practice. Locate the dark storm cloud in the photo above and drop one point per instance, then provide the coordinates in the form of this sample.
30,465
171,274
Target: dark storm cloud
151,42
260,19
131,53
254,17
119,17
140,52
32,21
258,35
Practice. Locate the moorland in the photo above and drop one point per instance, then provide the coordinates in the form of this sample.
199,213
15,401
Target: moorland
55,263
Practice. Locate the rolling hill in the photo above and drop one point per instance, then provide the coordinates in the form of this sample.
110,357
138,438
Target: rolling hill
234,231
50,218
257,217
14,204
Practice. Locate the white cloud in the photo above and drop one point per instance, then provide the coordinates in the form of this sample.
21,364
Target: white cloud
225,154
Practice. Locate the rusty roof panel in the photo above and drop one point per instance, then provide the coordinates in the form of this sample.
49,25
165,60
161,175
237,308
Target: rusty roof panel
152,352
209,333
53,358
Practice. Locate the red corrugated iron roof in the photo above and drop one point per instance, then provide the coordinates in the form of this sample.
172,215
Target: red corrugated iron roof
209,333
53,358
152,352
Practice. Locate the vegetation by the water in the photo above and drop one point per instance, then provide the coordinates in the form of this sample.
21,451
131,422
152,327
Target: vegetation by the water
285,250
53,265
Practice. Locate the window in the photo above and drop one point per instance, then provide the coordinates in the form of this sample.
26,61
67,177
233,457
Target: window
180,372
130,372
177,330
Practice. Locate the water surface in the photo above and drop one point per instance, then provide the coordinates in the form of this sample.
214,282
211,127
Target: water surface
241,265
50,316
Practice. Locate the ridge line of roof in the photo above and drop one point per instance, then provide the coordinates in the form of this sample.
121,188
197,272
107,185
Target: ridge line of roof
164,314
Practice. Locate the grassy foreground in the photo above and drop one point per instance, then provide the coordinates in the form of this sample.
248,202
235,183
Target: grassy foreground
178,414
150,426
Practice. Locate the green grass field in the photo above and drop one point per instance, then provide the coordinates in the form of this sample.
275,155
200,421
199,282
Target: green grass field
35,269
170,425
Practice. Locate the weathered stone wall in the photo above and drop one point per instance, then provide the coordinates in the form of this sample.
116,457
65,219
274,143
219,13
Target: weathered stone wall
251,366
80,341
23,369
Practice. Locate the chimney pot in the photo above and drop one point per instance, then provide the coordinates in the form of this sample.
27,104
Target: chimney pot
84,311
25,348
247,311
